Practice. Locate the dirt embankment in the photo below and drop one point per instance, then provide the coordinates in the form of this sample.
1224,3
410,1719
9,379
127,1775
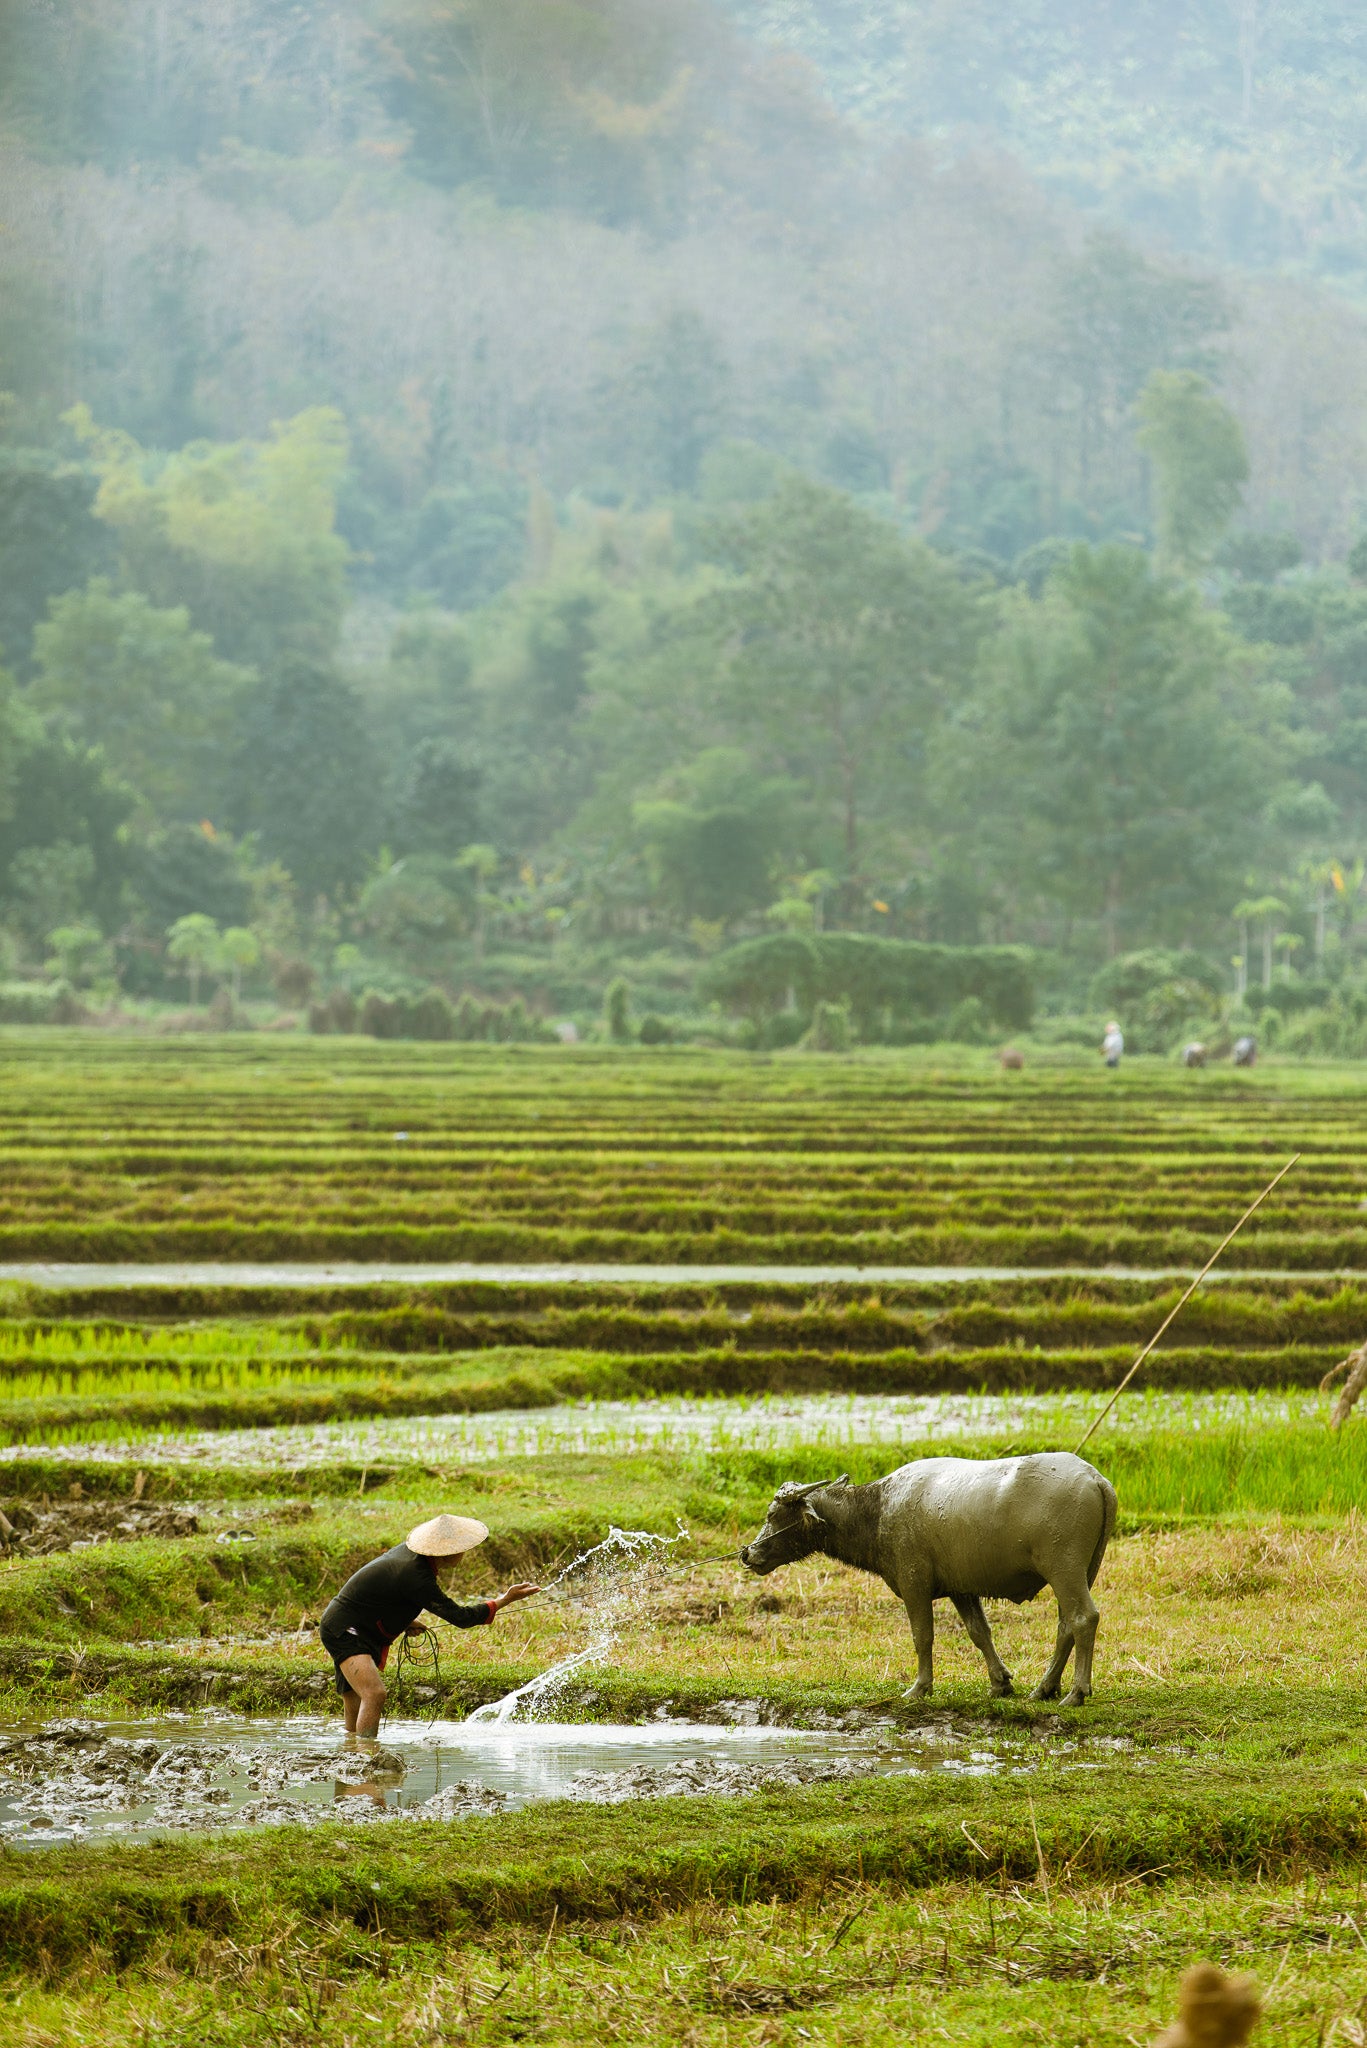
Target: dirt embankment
27,1530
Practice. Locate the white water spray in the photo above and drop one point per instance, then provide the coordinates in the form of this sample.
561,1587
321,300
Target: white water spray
613,1580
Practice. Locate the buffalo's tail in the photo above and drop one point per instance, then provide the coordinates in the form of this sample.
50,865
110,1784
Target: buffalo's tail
1109,1505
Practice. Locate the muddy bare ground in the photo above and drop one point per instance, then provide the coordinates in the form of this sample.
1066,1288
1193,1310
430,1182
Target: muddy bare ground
29,1531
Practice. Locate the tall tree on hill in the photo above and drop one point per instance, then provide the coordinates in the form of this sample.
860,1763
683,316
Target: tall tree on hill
64,853
1118,755
841,644
139,683
50,540
1200,463
1116,317
664,402
306,780
534,688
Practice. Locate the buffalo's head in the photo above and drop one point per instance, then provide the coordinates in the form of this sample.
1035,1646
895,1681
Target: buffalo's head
793,1527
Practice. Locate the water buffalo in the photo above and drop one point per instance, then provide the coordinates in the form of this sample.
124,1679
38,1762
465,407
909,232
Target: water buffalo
966,1530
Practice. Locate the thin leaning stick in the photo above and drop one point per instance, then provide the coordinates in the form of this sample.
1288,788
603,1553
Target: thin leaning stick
1187,1296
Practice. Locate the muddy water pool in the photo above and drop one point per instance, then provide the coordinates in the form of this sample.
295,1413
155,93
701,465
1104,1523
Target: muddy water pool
769,1422
85,1781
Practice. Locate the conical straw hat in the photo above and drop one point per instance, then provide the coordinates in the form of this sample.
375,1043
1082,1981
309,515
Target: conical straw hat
446,1536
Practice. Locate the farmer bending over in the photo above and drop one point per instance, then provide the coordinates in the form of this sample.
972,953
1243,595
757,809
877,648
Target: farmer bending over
383,1601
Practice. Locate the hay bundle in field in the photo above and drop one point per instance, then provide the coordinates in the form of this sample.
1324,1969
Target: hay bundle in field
1214,2010
1355,1365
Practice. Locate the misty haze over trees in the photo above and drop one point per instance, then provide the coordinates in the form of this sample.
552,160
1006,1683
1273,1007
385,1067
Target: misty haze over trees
499,496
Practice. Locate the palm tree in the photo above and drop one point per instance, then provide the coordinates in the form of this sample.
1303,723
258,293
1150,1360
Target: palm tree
1243,915
482,862
1320,873
1287,944
239,948
193,943
1265,911
1347,878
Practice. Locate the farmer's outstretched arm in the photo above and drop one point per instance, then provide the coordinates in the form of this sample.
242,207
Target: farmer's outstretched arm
460,1613
474,1613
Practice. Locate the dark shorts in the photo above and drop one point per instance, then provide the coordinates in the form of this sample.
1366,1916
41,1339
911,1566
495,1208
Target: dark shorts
343,1643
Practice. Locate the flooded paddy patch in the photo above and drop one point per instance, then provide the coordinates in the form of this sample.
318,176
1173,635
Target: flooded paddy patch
225,1273
87,1781
767,1422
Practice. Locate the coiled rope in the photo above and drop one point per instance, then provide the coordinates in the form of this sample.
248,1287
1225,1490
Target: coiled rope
406,1660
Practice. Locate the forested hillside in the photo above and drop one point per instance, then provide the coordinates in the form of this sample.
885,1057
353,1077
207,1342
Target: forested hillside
503,492
1229,127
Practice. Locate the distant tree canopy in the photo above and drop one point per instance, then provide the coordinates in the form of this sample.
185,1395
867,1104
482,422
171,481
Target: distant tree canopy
438,808
50,541
597,103
146,689
243,535
1118,755
714,844
64,856
305,786
884,982
185,869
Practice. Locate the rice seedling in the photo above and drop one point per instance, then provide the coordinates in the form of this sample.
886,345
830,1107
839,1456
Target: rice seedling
1178,1453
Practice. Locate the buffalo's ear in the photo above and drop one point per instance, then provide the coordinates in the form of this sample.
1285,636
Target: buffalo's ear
811,1514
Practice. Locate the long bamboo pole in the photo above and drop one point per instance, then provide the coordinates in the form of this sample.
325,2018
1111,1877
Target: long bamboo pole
1187,1296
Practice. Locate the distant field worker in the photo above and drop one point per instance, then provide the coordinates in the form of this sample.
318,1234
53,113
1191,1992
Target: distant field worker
383,1600
1113,1044
1245,1051
1012,1058
1194,1054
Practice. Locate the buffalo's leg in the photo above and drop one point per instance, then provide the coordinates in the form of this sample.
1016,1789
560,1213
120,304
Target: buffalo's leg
1048,1687
1080,1612
921,1614
970,1610
1084,1640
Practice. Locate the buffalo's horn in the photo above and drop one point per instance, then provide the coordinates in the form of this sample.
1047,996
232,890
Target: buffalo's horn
794,1492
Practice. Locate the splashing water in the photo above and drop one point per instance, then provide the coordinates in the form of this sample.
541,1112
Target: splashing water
613,1580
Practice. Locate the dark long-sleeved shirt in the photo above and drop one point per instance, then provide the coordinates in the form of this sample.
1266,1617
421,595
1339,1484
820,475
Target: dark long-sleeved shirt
378,1602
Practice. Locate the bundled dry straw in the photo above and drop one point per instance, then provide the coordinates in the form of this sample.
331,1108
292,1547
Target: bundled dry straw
1355,1365
1214,2011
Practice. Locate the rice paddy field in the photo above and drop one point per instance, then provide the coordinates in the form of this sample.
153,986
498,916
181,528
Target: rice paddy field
191,1463
250,1149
